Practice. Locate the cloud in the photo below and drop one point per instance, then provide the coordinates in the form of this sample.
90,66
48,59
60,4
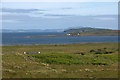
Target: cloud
29,22
33,13
57,15
20,10
67,8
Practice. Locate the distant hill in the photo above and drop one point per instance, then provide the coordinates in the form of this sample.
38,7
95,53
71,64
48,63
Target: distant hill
87,31
84,29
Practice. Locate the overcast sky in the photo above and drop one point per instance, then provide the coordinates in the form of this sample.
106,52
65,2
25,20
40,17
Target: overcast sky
59,15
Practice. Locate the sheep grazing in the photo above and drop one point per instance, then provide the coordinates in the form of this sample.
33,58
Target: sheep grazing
38,52
24,52
31,53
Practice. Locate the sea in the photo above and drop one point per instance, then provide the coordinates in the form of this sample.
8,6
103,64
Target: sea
19,39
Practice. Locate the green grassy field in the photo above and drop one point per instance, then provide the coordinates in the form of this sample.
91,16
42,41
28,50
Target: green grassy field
86,60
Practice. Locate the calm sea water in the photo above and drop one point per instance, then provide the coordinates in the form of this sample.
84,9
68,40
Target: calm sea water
18,39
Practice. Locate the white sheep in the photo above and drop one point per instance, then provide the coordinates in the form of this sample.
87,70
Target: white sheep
31,53
24,52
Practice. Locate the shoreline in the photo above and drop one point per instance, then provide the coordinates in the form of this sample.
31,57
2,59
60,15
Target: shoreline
65,36
59,44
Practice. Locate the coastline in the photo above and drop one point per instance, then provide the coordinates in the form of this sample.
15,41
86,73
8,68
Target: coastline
87,33
66,36
61,44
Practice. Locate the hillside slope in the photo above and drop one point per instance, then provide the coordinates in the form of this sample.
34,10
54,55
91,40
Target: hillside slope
86,31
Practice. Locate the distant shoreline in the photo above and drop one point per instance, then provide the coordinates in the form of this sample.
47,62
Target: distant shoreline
87,33
66,36
56,44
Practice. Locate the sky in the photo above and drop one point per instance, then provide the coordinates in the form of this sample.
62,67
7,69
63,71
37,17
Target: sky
59,15
60,0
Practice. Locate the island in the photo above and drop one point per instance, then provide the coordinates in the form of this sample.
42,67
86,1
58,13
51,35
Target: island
88,31
84,31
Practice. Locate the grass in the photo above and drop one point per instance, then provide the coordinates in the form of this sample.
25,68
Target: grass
61,61
74,58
